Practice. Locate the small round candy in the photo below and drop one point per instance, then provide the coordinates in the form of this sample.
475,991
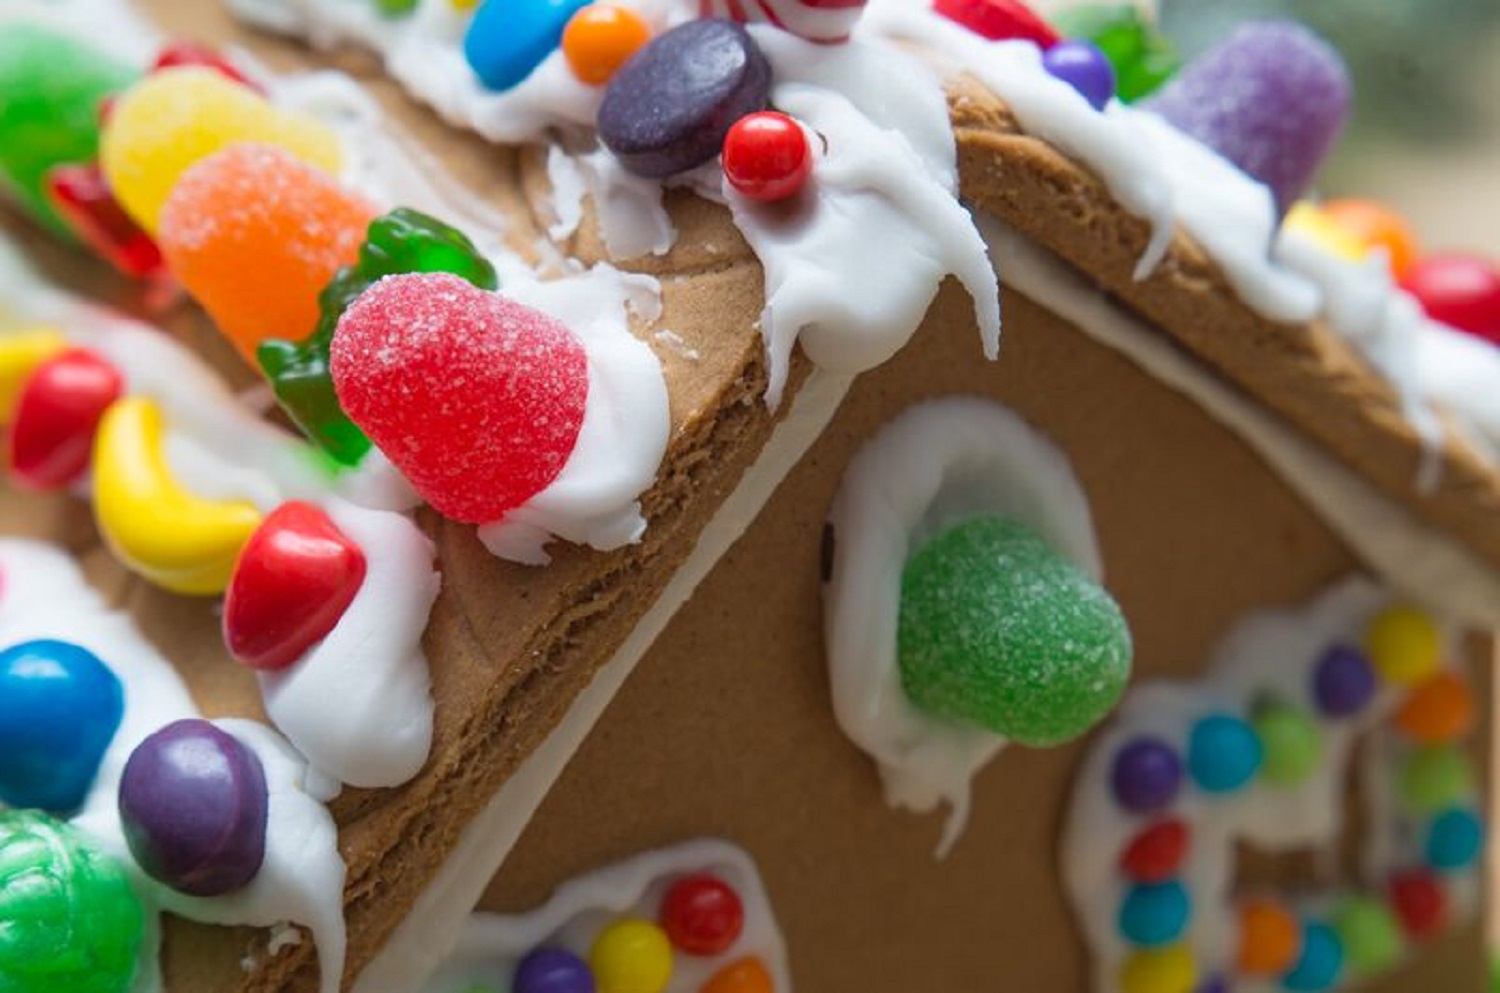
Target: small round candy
1440,710
1084,67
600,38
1270,938
1420,903
193,803
1291,743
1320,963
1343,682
60,707
1404,644
1154,913
1462,291
1146,775
1370,933
1454,840
1159,970
1224,753
506,41
1376,226
1433,779
747,975
702,914
631,956
767,157
553,970
1156,853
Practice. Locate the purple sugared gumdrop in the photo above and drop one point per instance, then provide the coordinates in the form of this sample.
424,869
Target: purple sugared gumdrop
1084,67
1343,682
1271,98
1146,775
553,970
193,802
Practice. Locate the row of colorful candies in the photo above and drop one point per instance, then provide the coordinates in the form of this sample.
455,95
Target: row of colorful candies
1279,745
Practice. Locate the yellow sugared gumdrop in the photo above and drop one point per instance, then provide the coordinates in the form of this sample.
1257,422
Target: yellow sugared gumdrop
174,118
20,353
1404,644
1309,220
1159,970
631,956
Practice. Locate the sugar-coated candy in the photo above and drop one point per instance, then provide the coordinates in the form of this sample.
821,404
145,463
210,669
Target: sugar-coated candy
1083,66
293,580
1420,902
81,196
193,805
1155,854
1146,775
1159,970
702,914
1224,753
1343,682
1311,222
507,39
1370,934
1154,913
822,21
477,399
1271,98
552,970
669,108
60,707
254,234
631,956
403,240
999,630
53,85
767,156
1434,778
1270,938
181,542
1438,710
1459,290
1404,644
1290,742
21,352
1320,962
999,19
56,416
172,119
1143,57
72,921
1454,840
602,37
187,53
1375,226
746,975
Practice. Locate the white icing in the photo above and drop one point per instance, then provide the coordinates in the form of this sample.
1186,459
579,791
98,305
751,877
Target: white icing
935,464
492,945
302,879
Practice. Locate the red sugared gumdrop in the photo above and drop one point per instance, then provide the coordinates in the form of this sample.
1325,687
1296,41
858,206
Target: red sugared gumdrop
477,399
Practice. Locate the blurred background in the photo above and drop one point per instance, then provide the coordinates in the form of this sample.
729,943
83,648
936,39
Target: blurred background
1425,137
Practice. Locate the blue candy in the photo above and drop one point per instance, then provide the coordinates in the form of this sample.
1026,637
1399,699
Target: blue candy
1223,753
508,39
1454,840
1154,913
59,709
1321,962
1084,67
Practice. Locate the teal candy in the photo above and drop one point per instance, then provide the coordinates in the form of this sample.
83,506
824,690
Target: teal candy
1370,934
50,90
1154,914
1433,779
997,629
1224,753
1321,963
70,919
1454,840
1291,743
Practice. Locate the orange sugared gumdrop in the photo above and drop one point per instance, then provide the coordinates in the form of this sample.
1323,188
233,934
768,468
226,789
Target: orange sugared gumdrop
254,235
1376,226
747,975
1270,938
1438,710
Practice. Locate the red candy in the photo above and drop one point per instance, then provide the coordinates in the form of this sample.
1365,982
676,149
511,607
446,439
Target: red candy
997,19
82,196
1419,902
57,415
766,156
187,53
293,580
1461,291
477,399
702,915
1154,855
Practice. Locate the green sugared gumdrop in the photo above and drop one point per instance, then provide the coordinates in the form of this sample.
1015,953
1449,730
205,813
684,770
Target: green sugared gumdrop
997,629
68,917
1370,934
50,90
1290,743
1433,779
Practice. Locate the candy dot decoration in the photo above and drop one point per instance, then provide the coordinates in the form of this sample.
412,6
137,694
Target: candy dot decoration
1155,854
1224,753
670,107
1270,939
1159,970
1154,913
600,38
72,921
1404,645
1375,226
822,21
1434,778
1143,58
1460,290
1146,775
1370,934
631,956
999,20
702,915
1419,902
767,156
747,975
1438,710
56,417
553,970
498,390
1319,964
1084,67
1454,840
1290,742
1343,682
60,707
507,39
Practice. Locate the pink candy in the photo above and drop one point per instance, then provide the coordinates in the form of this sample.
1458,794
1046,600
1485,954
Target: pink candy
477,399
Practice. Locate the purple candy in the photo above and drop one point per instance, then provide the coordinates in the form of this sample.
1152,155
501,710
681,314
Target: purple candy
1343,682
1146,775
193,804
668,109
1213,984
553,970
1084,67
1272,99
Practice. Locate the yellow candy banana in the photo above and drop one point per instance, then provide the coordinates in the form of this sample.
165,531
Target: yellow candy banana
179,541
20,353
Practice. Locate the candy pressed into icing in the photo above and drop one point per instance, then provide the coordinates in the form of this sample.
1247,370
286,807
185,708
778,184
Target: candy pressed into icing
56,416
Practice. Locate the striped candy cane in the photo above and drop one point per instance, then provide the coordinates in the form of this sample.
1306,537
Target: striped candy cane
825,21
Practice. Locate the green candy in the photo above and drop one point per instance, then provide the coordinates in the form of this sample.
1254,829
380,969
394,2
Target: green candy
402,241
997,629
1433,779
395,8
51,87
70,919
1143,57
1290,742
1370,934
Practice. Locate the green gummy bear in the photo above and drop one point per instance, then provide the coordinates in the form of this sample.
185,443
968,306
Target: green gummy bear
70,918
401,241
51,87
1143,57
1291,742
997,629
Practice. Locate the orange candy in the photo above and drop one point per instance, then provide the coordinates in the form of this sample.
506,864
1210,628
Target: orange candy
1376,227
600,38
1270,938
1438,710
746,975
254,234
